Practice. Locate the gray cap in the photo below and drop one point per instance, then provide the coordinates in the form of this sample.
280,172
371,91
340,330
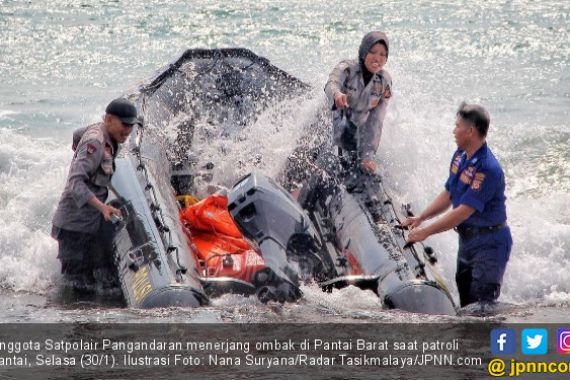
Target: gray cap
369,40
124,109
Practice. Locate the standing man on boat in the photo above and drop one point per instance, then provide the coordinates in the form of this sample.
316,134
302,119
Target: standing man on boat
475,190
359,91
81,210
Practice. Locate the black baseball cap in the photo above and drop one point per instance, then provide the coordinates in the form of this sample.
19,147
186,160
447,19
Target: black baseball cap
124,109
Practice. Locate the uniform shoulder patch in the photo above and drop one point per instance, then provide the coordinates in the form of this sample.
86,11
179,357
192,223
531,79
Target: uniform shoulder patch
477,181
91,148
455,164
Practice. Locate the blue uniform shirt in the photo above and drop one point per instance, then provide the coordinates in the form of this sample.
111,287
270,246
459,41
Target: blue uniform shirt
478,183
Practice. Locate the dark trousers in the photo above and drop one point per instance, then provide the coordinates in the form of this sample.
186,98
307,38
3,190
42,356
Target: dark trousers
481,263
348,144
87,260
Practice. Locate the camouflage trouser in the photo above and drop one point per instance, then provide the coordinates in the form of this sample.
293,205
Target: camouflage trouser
481,263
86,260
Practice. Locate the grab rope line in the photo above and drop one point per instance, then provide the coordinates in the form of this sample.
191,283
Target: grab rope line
413,249
156,210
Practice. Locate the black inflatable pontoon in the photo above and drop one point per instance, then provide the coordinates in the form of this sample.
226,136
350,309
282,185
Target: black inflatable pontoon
342,230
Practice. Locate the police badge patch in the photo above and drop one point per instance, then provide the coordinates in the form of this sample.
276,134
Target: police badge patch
465,178
91,149
479,178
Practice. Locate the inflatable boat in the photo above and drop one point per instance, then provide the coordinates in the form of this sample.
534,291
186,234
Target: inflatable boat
174,250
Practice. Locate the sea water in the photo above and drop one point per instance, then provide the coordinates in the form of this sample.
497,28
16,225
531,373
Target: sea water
61,62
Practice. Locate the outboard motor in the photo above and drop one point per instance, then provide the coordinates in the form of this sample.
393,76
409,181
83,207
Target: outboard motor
288,242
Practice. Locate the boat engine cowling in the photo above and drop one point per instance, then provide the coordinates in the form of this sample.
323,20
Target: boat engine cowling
270,217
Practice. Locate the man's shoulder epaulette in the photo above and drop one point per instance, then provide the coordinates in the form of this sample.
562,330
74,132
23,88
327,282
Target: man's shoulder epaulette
93,132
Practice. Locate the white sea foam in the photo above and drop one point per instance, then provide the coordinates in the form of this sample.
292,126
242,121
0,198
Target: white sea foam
32,174
511,56
7,114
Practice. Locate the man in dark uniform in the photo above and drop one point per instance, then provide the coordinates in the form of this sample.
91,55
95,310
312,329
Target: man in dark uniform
476,191
78,218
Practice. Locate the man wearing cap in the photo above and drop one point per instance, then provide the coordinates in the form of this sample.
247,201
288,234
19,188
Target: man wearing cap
78,218
476,191
359,91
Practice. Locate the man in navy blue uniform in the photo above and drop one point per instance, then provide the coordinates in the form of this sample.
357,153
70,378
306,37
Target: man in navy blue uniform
476,191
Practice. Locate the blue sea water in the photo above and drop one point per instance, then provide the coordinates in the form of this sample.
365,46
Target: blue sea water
62,61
